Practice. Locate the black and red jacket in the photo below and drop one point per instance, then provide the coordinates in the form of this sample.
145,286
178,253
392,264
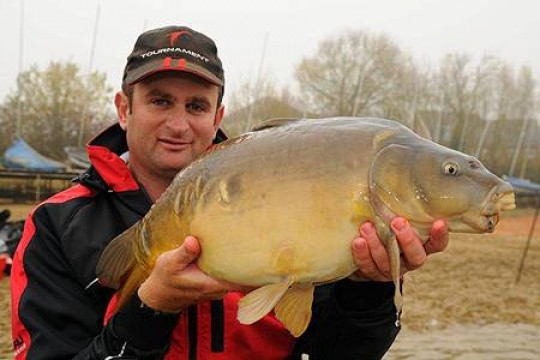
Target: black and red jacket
59,310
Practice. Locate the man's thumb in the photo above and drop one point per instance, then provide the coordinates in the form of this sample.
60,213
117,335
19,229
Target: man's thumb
189,251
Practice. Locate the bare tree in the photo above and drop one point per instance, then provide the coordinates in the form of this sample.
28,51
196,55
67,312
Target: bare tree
524,111
253,103
52,101
351,74
465,89
411,100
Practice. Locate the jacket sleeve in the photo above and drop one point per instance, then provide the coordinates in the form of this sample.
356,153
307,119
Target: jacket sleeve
351,320
54,316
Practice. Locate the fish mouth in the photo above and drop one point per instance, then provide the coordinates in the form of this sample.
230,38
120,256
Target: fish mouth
476,224
488,222
507,201
500,198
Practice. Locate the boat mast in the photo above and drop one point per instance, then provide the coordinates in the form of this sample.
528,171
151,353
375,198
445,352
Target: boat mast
88,75
254,92
21,62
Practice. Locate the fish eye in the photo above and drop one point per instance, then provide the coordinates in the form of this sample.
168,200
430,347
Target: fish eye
451,168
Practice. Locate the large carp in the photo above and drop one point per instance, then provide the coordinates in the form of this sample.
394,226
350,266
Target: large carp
278,208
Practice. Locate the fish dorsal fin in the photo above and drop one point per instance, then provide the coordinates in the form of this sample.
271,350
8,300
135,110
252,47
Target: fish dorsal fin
294,309
380,137
261,301
271,123
117,260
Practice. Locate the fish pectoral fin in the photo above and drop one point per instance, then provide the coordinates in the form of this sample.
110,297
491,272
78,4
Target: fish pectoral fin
294,309
395,270
261,301
117,260
394,253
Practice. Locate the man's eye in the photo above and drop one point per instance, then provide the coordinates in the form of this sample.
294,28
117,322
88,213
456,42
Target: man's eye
161,102
196,107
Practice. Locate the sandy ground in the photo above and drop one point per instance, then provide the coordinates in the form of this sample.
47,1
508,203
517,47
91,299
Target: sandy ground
469,342
5,321
462,304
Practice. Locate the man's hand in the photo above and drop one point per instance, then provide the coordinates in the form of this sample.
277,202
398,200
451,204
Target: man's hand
176,282
372,258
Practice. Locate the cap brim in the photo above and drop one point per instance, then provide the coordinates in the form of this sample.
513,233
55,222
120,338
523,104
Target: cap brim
156,66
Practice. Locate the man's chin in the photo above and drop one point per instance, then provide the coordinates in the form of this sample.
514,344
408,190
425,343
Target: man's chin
176,166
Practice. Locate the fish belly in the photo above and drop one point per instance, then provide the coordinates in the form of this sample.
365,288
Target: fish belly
253,242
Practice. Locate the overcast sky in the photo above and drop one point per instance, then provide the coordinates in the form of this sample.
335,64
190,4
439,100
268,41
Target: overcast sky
428,29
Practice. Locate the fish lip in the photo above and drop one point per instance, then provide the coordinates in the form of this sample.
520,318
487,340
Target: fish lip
476,224
490,219
507,201
499,198
491,222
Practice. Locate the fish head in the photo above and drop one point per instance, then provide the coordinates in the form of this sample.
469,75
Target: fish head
425,181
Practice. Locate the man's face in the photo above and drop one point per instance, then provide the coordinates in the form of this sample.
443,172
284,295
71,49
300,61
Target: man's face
173,120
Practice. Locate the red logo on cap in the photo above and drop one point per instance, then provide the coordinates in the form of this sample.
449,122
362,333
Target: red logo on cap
175,35
168,62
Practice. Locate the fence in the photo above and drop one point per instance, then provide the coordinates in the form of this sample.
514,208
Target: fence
30,186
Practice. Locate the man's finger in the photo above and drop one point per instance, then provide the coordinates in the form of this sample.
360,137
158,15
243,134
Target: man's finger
188,252
439,237
409,242
378,252
366,265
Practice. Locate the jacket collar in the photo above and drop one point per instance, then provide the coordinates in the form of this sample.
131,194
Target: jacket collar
104,152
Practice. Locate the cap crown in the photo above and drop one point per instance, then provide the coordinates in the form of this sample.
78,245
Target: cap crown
174,48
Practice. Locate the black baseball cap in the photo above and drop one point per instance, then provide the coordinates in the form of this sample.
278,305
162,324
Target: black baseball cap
174,48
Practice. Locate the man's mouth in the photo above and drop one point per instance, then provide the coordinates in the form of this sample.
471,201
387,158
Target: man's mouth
174,144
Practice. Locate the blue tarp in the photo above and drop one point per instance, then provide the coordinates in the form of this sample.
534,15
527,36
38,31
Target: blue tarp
20,155
523,184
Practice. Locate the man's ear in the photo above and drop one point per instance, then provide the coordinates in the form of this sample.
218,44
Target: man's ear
219,117
121,102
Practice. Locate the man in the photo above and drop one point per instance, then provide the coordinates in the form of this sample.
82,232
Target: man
169,113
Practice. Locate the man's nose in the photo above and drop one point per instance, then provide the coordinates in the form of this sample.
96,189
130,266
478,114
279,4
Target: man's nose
178,120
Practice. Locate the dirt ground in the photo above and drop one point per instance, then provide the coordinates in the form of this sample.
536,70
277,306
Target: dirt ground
462,304
465,304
